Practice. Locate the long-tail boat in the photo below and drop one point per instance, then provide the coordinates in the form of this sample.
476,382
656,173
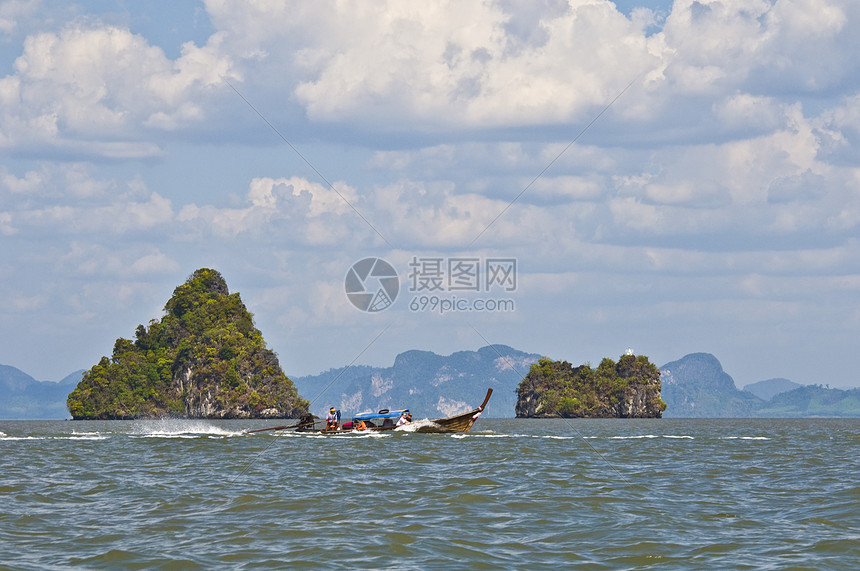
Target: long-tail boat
386,420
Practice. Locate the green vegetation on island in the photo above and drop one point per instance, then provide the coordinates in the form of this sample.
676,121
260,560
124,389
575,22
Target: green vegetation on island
204,359
629,388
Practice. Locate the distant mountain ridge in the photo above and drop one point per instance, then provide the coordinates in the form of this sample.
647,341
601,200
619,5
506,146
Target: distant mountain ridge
813,400
430,385
24,398
769,388
697,386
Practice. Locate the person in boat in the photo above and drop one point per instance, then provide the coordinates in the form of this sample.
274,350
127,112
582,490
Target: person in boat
331,419
404,419
360,425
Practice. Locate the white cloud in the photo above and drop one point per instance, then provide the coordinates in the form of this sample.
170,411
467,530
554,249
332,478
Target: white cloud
153,264
13,12
571,187
119,217
443,64
99,88
295,209
847,115
746,111
96,88
69,199
125,262
22,303
27,184
790,44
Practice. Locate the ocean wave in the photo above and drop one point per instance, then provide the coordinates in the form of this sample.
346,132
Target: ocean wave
174,428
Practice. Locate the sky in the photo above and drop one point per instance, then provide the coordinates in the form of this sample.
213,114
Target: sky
573,179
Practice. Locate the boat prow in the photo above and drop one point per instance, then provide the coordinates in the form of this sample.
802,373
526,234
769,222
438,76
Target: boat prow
458,423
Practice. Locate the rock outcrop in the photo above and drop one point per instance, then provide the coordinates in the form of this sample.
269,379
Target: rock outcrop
204,359
627,389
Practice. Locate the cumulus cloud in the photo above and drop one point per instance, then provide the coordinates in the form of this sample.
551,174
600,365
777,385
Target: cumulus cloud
847,115
98,88
498,65
13,12
93,88
70,199
26,184
729,43
510,64
308,212
101,260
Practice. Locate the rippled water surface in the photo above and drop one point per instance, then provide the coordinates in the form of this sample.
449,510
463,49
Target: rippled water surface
590,494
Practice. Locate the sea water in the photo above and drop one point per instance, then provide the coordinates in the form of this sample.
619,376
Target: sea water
536,494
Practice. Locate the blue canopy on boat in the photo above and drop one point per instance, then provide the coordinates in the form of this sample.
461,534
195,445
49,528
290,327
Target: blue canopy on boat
374,415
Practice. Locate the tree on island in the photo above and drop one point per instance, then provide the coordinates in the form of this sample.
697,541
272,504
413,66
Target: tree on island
204,359
629,388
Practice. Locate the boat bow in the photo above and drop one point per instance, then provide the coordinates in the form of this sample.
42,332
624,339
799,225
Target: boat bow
459,422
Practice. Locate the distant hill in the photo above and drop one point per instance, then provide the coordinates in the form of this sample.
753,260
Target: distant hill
430,385
24,398
813,400
697,386
768,389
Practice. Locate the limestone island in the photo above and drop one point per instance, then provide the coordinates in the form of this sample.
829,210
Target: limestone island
204,359
629,388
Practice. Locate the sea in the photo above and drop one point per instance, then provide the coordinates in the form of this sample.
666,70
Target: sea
512,494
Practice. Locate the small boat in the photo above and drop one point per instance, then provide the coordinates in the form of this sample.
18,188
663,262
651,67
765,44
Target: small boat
386,420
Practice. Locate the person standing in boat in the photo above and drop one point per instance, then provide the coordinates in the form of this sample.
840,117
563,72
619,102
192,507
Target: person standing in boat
331,419
404,419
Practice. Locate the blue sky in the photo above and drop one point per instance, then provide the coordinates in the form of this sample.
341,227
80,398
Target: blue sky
712,206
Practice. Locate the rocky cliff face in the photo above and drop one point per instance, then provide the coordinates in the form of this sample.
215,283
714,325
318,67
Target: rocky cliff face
529,405
638,402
